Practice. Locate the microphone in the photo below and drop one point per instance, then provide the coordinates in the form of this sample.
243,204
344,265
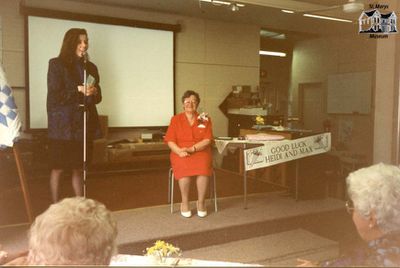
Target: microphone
85,57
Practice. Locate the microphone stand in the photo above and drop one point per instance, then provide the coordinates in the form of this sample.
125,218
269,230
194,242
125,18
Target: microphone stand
84,125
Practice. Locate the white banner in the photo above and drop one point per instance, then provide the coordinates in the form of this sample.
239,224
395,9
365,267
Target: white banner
276,152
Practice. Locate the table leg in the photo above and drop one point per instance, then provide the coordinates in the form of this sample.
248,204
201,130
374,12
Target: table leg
241,160
24,185
245,189
297,181
243,169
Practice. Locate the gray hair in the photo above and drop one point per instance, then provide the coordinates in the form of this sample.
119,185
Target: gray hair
74,231
377,188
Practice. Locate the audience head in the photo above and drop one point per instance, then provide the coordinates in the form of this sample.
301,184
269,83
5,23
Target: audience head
375,194
74,231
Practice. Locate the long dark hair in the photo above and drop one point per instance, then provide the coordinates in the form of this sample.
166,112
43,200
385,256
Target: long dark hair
70,41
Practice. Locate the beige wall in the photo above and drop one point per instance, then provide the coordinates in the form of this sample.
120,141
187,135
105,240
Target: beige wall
384,104
211,56
314,60
385,143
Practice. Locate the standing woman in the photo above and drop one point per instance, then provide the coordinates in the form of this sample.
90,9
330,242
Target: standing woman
189,137
65,99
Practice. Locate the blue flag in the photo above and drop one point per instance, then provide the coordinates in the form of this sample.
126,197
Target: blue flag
10,123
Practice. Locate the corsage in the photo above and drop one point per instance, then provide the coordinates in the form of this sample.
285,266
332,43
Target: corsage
202,120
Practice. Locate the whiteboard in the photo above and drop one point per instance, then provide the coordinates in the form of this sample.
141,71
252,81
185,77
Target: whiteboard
136,68
349,93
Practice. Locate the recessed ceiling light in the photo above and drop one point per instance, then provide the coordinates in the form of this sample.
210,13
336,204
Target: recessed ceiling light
234,7
273,35
272,53
219,2
326,18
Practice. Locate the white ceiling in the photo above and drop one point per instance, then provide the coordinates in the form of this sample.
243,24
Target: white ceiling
266,13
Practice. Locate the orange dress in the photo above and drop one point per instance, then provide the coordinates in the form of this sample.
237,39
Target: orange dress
184,135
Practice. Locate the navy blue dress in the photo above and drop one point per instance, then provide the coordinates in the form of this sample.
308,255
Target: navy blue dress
65,112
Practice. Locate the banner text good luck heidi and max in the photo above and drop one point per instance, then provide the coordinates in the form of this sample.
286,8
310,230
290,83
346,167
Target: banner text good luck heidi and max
276,152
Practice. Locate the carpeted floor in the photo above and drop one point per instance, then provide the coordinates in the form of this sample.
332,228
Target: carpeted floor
118,190
267,214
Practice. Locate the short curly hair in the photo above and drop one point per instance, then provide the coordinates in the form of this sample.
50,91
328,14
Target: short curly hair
74,231
377,188
189,93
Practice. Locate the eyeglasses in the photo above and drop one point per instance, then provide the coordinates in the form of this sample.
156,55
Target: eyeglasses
189,102
349,207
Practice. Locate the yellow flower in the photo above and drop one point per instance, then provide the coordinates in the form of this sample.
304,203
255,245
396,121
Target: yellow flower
259,120
162,249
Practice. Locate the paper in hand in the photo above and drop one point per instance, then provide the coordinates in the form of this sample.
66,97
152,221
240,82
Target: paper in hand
90,80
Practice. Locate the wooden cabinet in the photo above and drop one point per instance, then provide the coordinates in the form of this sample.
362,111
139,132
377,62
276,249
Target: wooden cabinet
133,152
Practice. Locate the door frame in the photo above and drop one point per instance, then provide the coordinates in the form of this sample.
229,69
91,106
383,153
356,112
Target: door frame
300,104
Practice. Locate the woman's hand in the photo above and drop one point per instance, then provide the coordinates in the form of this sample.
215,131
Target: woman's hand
18,258
90,90
199,146
191,150
3,256
183,152
306,263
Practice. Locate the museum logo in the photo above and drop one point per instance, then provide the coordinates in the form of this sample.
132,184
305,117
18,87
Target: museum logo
377,24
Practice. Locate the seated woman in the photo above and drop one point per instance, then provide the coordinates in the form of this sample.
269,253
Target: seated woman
374,204
189,137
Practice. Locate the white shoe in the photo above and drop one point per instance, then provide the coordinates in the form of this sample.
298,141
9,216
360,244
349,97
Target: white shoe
186,214
201,213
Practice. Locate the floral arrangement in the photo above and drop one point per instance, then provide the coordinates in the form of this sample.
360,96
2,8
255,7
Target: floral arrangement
259,120
161,250
202,119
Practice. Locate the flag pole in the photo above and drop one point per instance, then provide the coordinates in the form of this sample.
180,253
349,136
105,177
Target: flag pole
84,128
22,180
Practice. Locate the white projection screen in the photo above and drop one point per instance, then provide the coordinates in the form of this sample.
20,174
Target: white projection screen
136,67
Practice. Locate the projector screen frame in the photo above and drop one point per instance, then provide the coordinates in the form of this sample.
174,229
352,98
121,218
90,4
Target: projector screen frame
55,14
